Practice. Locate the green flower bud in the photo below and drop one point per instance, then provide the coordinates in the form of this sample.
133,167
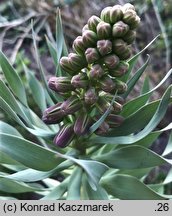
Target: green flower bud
103,104
89,38
77,61
78,45
126,55
120,70
53,114
119,29
135,23
96,72
128,6
116,13
66,66
90,96
119,46
80,80
107,84
93,22
91,55
129,16
120,86
130,37
104,47
71,105
111,61
114,120
105,14
104,30
65,136
82,124
60,84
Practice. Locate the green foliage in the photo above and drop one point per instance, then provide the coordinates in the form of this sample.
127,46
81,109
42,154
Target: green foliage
95,167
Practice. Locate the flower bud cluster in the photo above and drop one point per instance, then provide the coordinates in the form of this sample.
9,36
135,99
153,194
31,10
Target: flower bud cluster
95,68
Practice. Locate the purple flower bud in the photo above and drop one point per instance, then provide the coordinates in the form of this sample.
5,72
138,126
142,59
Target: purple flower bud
66,66
53,114
80,80
120,100
119,29
116,13
71,105
111,61
128,6
119,46
120,70
129,16
130,37
107,84
126,55
121,86
104,47
78,45
103,104
89,38
65,136
93,22
96,72
114,120
103,128
90,96
104,30
82,124
60,84
92,55
77,62
105,14
117,107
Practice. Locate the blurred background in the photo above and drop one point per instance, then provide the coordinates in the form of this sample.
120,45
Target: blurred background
16,39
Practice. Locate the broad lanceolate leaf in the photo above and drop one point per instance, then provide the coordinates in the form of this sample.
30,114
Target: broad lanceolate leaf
28,153
157,117
6,128
131,157
13,79
128,188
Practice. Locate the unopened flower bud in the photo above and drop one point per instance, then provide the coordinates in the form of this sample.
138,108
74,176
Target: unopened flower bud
77,61
105,14
91,55
125,55
107,84
128,6
66,66
89,38
78,45
60,84
90,96
135,23
93,22
116,13
119,46
53,114
80,80
111,61
104,47
82,123
117,107
130,37
129,16
103,128
103,104
121,86
120,70
65,136
85,28
120,100
71,105
119,29
104,30
114,120
96,72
